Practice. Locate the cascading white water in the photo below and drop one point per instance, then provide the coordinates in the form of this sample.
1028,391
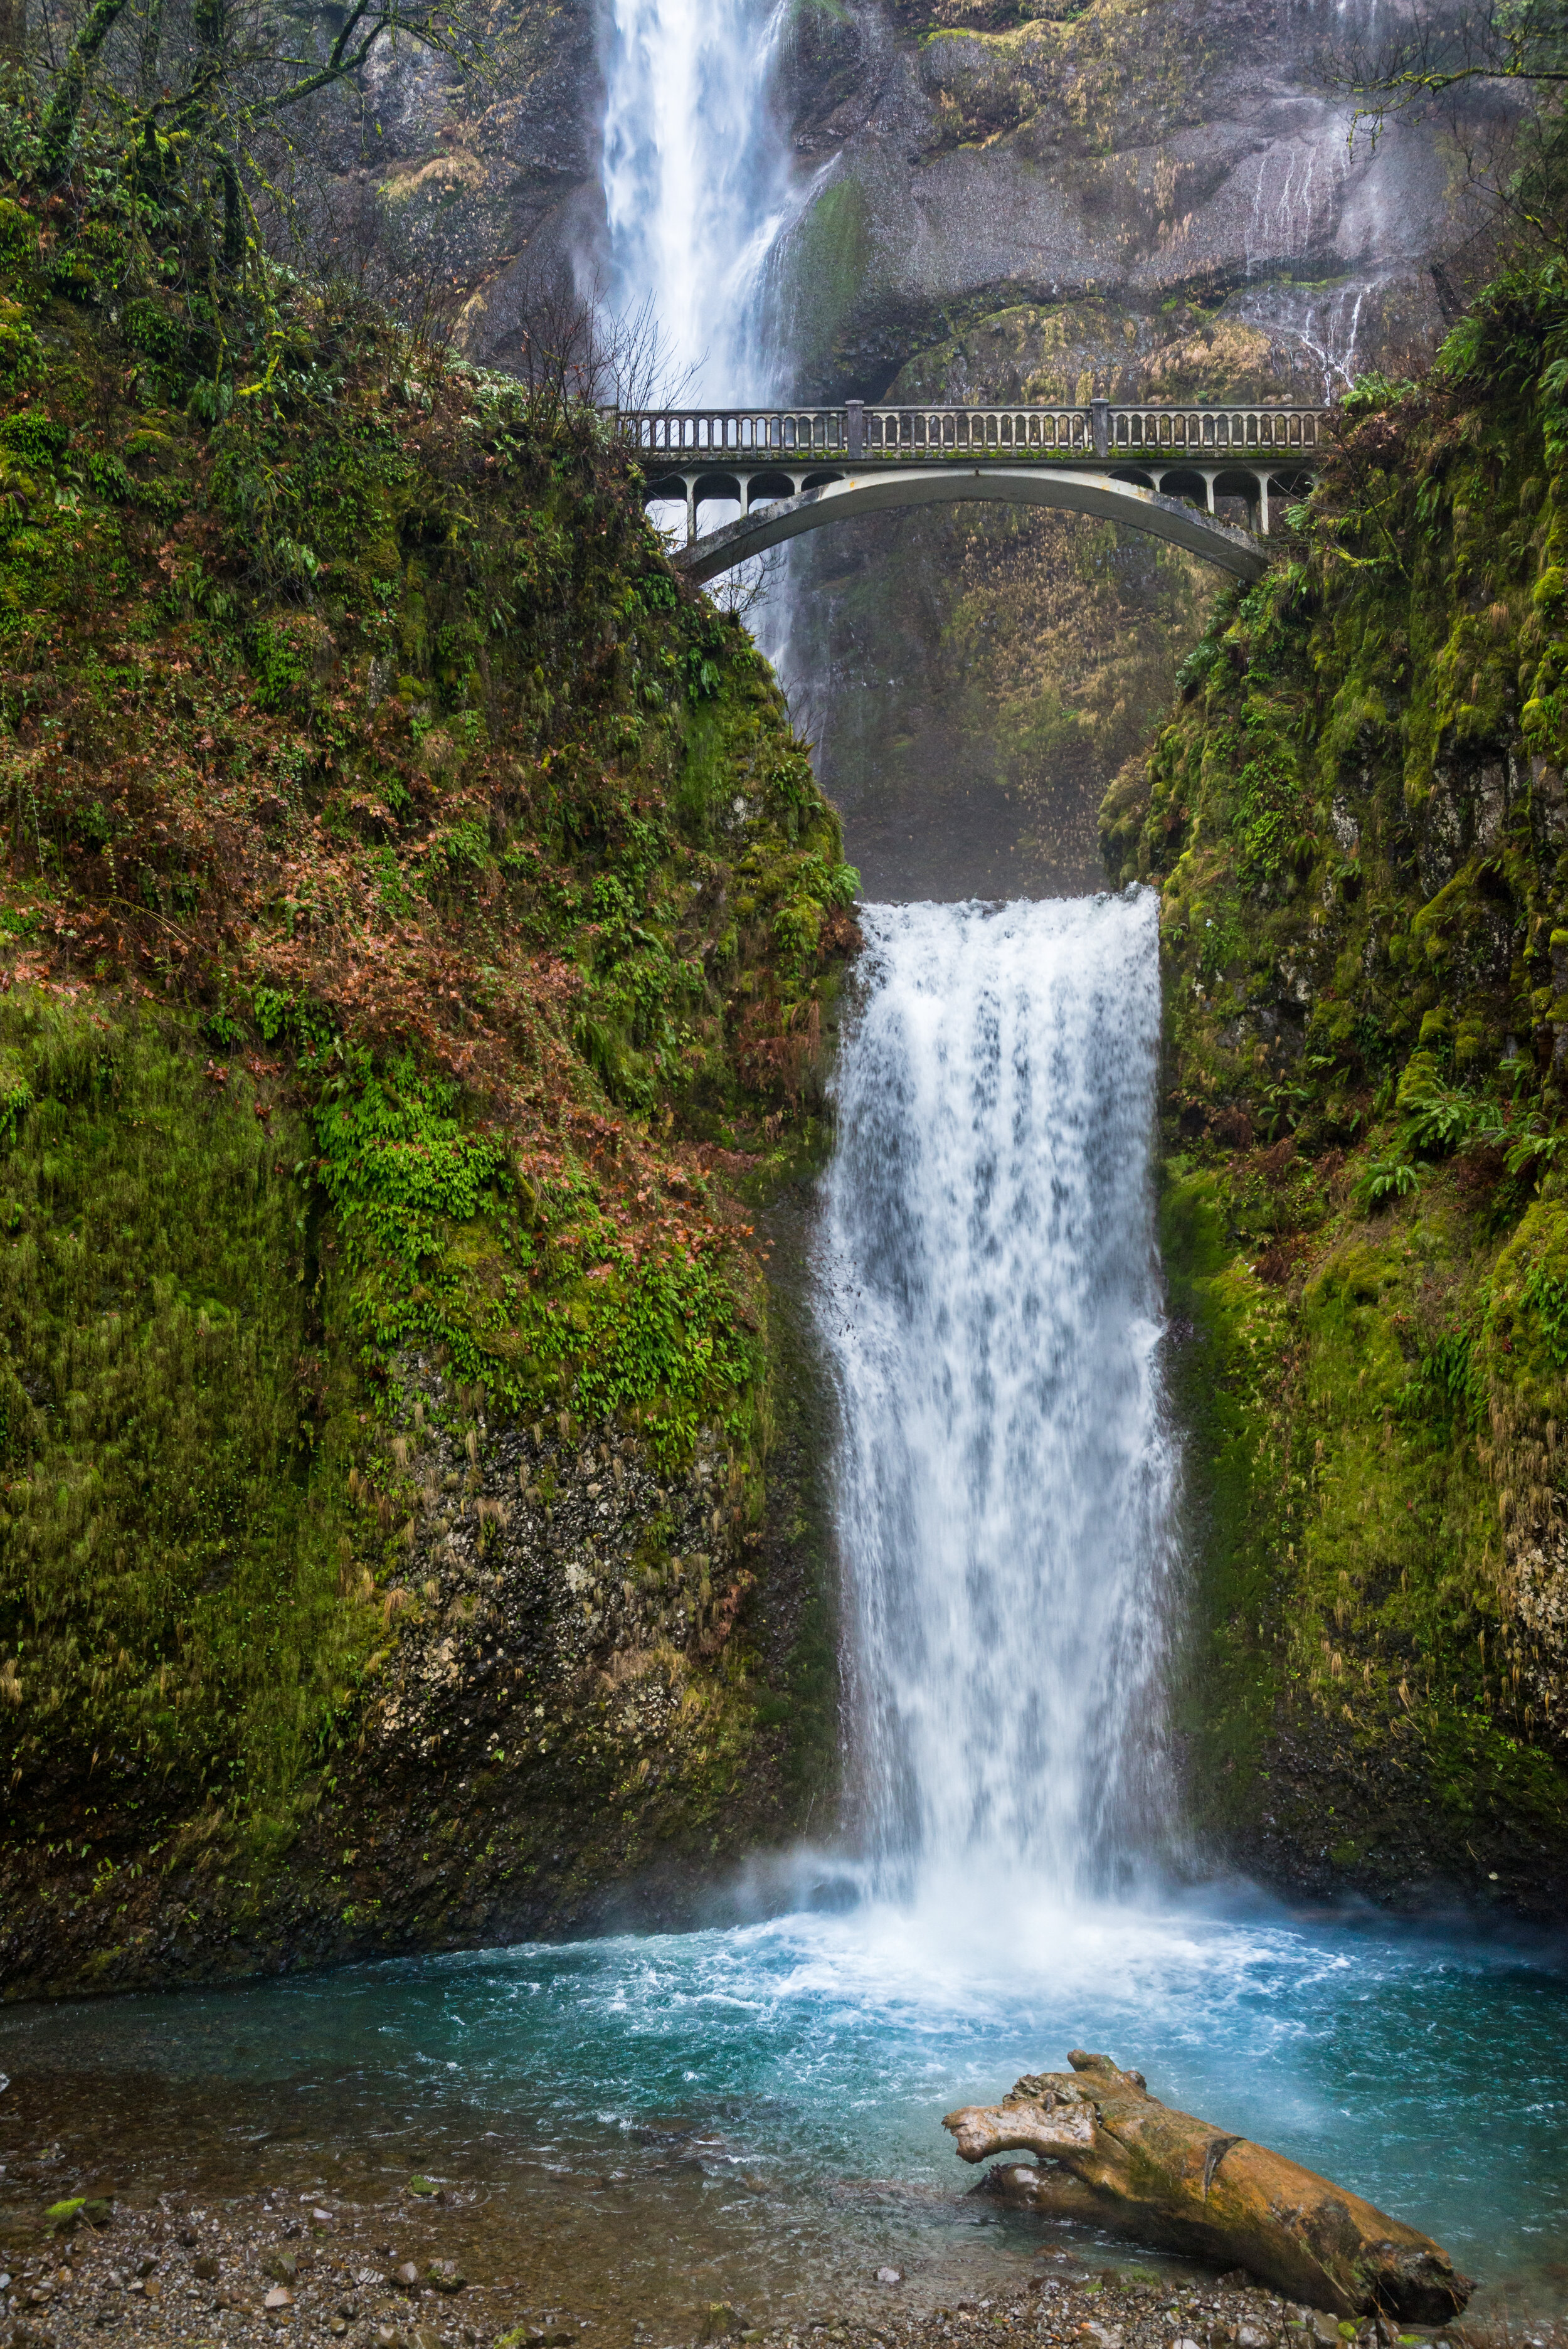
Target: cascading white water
695,167
696,179
1005,1479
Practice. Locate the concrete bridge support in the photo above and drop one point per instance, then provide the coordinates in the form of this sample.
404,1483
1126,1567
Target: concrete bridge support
774,487
1249,483
771,518
745,489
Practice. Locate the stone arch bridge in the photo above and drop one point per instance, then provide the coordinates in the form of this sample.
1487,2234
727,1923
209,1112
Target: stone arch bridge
1159,469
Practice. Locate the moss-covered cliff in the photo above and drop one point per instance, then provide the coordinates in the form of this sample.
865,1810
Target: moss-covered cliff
1357,822
420,925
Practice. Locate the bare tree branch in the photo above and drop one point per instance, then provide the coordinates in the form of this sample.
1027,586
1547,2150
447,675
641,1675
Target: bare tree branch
223,71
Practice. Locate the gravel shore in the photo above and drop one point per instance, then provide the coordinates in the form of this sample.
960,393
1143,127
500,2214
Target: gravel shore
265,2270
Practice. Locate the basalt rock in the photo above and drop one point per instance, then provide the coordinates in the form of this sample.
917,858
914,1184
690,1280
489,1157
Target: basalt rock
1112,2152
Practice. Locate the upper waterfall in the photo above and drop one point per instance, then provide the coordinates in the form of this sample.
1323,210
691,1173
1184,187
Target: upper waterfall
1006,1478
694,171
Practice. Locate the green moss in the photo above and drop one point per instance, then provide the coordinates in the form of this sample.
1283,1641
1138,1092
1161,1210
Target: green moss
374,799
1219,1388
173,1447
1363,887
831,261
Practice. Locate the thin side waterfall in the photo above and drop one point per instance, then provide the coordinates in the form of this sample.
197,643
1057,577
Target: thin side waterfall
695,171
1006,1478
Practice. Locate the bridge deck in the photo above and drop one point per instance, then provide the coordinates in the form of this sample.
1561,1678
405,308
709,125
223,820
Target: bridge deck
744,437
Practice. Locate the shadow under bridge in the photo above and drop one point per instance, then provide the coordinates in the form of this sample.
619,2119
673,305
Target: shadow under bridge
1159,470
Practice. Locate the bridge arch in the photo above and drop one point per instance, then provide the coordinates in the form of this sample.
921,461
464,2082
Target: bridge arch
767,488
1186,481
837,498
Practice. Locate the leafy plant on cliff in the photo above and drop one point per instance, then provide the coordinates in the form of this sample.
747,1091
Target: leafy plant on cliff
1399,973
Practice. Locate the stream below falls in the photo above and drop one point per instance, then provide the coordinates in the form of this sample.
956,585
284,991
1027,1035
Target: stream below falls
637,2128
752,2115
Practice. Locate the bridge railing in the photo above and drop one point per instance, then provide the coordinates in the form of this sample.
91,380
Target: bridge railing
1212,430
700,434
859,431
964,431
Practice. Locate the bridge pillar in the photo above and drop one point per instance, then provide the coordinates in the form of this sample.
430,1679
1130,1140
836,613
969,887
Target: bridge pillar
1262,507
855,426
690,480
1099,412
1208,490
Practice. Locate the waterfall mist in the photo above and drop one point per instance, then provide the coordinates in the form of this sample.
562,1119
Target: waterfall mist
1006,1478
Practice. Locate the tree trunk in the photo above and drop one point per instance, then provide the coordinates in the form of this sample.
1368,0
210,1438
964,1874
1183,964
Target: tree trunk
1112,2152
13,43
65,107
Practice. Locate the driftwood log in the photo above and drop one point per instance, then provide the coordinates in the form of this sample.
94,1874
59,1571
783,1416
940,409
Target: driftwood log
1111,2152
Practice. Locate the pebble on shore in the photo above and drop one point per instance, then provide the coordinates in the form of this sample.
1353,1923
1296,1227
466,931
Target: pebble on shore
252,2272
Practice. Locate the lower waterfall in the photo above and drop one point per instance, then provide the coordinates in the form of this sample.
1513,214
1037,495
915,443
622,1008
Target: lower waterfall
1006,1477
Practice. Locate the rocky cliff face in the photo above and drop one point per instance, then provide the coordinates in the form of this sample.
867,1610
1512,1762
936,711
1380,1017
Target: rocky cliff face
1141,202
1130,152
1357,823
